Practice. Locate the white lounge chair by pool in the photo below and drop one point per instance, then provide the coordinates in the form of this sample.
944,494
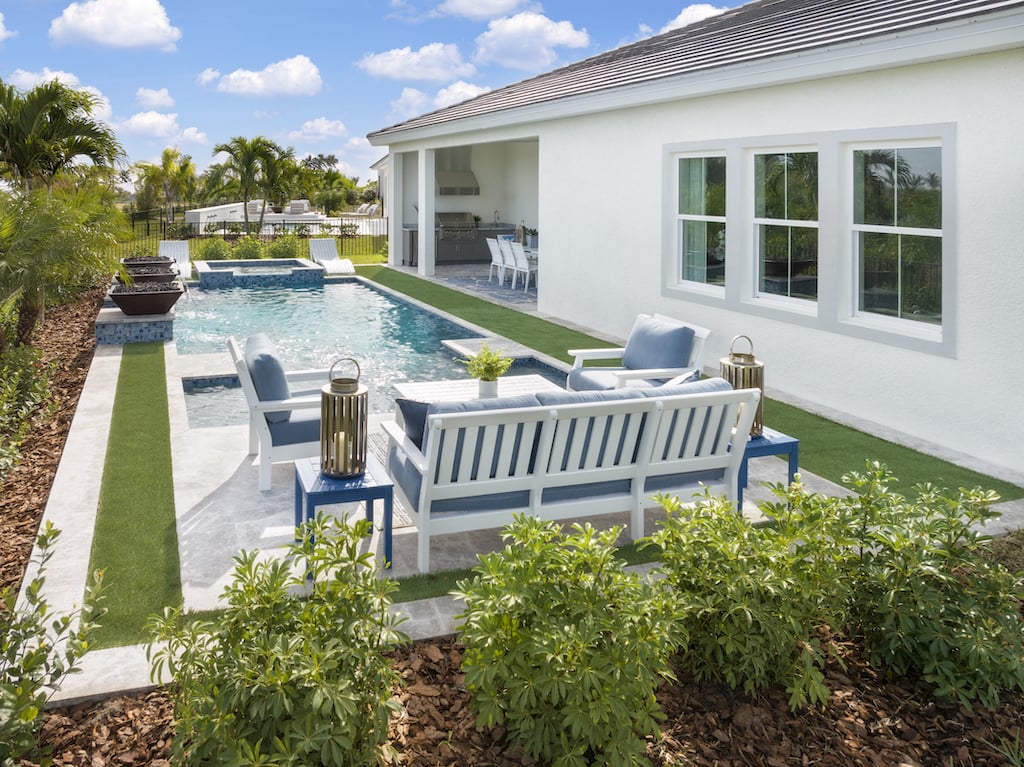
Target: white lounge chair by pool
324,251
284,424
177,250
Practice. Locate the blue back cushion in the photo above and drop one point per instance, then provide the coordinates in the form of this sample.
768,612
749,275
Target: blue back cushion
703,386
414,419
267,373
655,343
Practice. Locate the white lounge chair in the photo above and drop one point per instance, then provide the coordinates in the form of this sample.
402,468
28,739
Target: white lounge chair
284,424
497,261
177,251
521,265
324,251
658,349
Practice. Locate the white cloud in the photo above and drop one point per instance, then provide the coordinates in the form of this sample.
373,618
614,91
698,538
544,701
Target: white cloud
297,76
5,33
153,99
319,129
411,103
116,23
152,124
25,80
692,14
527,41
456,93
479,9
207,76
435,61
194,136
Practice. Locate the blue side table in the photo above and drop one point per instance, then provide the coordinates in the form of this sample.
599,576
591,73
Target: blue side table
770,442
313,489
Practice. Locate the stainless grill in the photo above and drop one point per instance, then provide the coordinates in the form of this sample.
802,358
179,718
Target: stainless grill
455,226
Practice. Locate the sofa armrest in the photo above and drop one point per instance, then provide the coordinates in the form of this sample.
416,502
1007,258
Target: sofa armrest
622,377
292,403
308,375
399,439
595,354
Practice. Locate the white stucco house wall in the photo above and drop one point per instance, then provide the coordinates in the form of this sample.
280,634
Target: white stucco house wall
739,173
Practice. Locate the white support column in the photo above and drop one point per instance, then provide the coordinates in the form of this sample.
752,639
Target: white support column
425,219
395,205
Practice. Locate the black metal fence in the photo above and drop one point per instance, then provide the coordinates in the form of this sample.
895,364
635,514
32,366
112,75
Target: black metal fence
356,235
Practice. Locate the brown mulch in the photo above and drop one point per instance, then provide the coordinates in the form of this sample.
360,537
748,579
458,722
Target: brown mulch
868,720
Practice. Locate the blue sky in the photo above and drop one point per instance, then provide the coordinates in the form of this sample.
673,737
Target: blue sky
316,75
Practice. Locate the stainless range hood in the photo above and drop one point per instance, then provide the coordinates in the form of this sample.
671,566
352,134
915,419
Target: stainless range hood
452,182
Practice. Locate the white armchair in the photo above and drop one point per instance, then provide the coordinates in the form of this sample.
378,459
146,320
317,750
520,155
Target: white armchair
658,349
284,423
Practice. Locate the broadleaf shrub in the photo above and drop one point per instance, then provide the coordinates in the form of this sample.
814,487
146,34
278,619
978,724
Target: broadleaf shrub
291,672
564,646
24,389
248,248
755,598
212,248
283,246
926,600
908,578
37,650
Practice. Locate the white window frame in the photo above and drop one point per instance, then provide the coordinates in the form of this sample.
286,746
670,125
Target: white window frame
797,303
681,219
837,308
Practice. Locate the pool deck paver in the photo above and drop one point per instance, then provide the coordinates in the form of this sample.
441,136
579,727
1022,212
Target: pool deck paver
221,511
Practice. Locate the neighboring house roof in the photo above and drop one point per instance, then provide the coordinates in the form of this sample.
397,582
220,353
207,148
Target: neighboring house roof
760,30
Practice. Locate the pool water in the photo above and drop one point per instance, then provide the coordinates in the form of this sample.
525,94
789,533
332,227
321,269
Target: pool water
392,341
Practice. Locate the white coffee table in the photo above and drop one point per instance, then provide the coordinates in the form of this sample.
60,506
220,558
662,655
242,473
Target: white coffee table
468,388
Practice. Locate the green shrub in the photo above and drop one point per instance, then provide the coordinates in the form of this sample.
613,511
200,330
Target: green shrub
212,248
248,248
24,388
564,646
37,650
755,597
907,578
292,672
285,246
926,600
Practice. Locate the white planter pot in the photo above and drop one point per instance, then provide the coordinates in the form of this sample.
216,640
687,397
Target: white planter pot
488,389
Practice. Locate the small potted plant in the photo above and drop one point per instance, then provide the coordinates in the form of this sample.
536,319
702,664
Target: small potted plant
487,365
531,237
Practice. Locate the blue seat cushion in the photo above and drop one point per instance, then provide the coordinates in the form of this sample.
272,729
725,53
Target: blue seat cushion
303,426
656,343
600,379
267,373
414,419
574,397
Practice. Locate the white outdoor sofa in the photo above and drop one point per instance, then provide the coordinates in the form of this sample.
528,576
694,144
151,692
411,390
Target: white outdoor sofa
461,466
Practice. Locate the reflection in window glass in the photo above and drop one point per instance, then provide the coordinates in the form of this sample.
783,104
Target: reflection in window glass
786,216
898,218
701,218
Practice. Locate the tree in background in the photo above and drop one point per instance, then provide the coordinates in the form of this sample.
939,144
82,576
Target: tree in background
172,181
245,165
45,130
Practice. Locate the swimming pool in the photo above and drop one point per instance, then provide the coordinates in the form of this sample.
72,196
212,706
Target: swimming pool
392,340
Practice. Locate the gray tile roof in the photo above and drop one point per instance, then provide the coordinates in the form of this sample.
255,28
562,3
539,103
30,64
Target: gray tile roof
759,30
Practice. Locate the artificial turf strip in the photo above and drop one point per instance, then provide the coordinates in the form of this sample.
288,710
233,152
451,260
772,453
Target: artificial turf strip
135,542
830,450
827,449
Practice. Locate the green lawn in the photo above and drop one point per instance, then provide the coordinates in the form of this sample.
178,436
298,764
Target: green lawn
135,541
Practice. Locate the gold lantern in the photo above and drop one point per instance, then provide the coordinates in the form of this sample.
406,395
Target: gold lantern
344,407
744,372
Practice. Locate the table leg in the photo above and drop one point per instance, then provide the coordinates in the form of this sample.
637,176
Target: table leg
794,463
298,505
388,509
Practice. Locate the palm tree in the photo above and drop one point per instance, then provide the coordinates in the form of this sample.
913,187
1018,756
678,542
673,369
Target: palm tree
45,130
279,176
175,177
246,158
53,241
